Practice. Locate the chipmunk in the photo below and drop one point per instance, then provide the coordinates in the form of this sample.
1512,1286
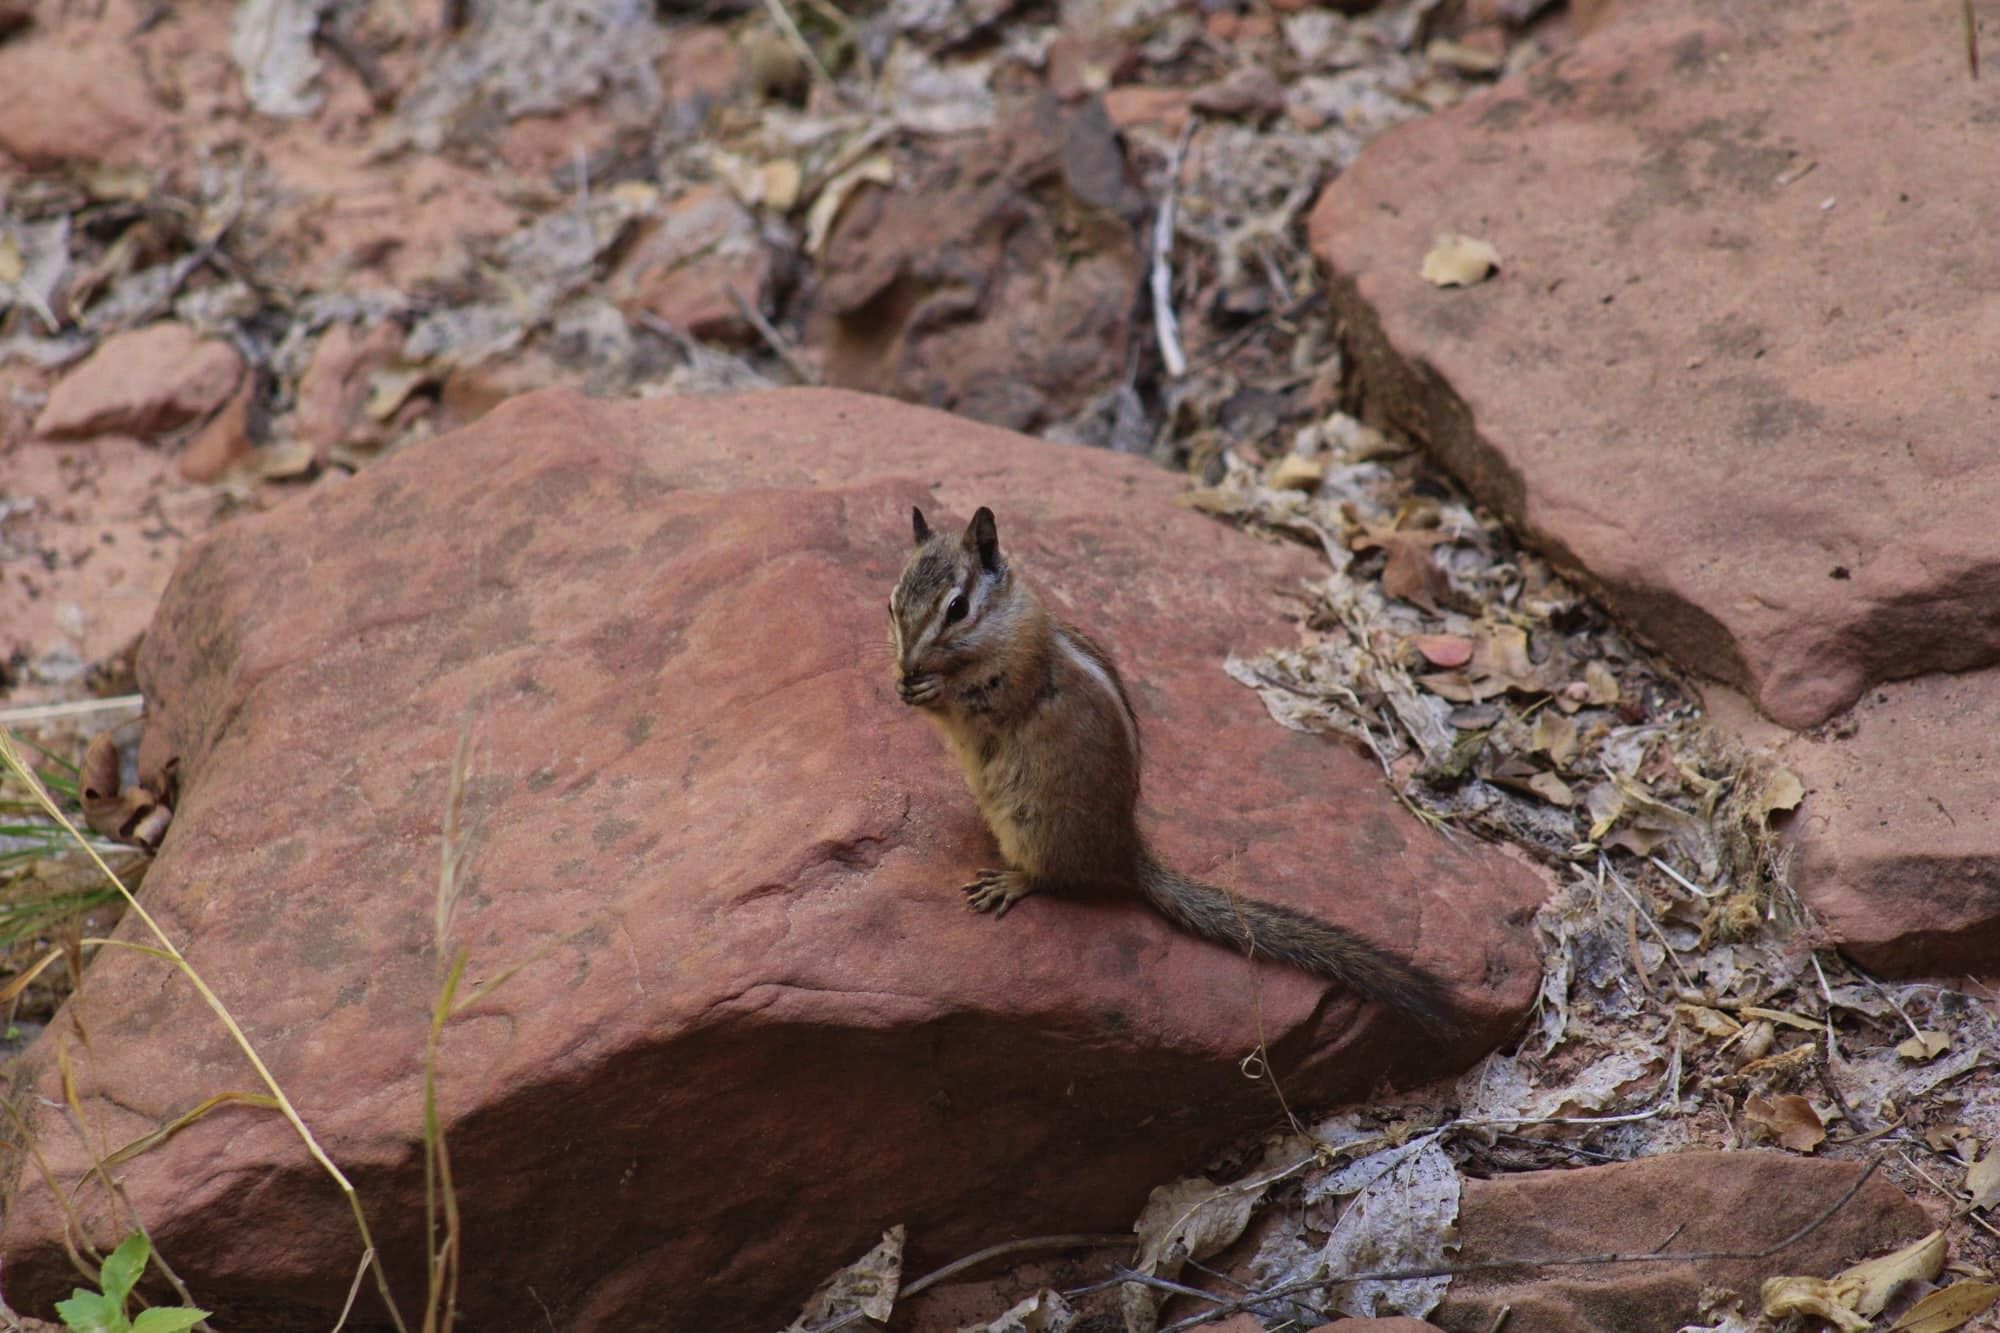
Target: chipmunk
1038,718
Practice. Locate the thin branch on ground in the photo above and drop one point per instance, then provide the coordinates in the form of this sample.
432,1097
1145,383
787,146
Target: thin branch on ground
1083,1241
13,717
1165,326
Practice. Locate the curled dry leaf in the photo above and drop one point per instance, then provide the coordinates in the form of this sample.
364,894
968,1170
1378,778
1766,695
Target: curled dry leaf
1790,1120
1943,1311
1460,261
1875,1281
1294,473
825,210
1926,1045
123,814
867,1286
1810,1296
1709,1022
1847,1299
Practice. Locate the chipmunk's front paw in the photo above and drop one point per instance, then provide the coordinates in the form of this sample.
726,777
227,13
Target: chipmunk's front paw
920,691
997,890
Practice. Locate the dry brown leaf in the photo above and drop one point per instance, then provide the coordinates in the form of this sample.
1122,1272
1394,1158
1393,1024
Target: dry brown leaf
1788,1061
1943,1311
1926,1045
1411,574
13,264
1782,791
1790,1119
1603,686
1982,1180
1552,789
1957,1139
1709,1022
1789,1019
1459,261
1554,735
1638,840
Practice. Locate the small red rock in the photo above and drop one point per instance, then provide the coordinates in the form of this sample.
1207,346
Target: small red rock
1161,109
335,386
145,382
1443,650
224,440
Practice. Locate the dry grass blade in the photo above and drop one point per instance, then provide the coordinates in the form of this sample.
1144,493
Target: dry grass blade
146,1142
11,758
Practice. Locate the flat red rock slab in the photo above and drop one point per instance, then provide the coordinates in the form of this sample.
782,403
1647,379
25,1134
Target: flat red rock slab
754,1024
1899,834
1738,362
1740,1202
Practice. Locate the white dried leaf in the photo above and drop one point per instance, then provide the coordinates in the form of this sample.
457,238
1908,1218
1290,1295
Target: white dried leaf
867,1286
1044,1312
825,210
1403,1221
927,97
271,42
34,259
1192,1218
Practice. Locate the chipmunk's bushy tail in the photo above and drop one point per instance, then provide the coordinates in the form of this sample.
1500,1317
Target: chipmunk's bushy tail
1318,947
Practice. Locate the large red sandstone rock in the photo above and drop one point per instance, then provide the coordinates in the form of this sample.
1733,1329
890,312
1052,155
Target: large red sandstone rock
1738,363
755,1024
1760,425
145,382
1899,835
1740,1202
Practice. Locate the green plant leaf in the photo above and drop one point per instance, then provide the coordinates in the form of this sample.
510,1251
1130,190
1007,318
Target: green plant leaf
168,1319
122,1269
90,1312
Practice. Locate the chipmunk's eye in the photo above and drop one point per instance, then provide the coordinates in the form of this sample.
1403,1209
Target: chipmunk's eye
954,610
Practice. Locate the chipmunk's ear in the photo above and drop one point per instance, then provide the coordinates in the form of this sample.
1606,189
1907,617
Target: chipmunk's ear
918,526
983,536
